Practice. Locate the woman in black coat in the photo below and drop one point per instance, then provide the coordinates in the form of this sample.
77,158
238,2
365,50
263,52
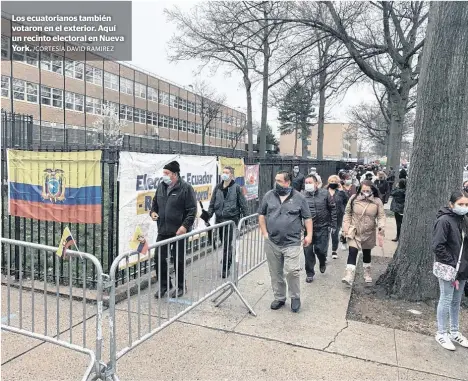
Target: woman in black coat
449,240
398,205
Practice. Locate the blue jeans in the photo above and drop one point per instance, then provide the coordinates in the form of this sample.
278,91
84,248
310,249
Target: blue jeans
448,309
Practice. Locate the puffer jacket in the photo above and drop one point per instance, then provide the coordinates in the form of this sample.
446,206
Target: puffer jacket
366,215
398,200
231,207
447,240
322,208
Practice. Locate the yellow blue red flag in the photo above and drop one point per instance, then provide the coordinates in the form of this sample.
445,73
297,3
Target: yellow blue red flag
55,186
66,241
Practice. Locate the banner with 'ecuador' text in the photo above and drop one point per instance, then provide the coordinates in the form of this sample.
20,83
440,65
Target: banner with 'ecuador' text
139,177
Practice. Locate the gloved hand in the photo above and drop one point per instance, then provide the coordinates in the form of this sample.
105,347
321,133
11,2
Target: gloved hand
205,216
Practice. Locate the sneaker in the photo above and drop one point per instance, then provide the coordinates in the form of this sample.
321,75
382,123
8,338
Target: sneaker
295,304
444,341
334,255
309,279
323,267
459,339
277,304
343,247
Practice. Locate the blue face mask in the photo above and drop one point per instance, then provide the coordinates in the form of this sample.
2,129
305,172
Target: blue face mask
225,177
166,179
460,210
282,191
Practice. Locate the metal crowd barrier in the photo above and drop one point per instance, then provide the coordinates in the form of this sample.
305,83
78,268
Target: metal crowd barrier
35,318
250,254
194,282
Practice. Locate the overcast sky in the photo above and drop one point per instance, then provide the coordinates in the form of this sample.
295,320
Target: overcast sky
150,35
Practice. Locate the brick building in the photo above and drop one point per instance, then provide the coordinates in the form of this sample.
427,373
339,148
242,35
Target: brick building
65,93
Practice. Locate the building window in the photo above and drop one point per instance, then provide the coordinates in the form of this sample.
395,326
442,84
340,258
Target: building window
30,56
52,62
93,75
173,123
126,86
173,101
163,121
5,47
5,86
183,125
164,98
140,116
25,91
93,106
191,107
126,112
140,90
51,97
73,101
114,107
182,104
74,69
152,94
111,81
152,118
199,129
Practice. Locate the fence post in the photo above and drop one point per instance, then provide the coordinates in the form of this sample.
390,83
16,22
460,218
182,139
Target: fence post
110,222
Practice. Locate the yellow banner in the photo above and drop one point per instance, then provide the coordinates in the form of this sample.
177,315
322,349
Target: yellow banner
236,163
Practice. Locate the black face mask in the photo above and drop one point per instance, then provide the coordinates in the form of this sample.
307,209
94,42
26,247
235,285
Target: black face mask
282,191
333,186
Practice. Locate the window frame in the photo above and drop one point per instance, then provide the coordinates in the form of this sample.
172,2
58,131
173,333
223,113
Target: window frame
75,105
76,72
126,86
8,89
6,48
95,104
96,76
108,80
138,92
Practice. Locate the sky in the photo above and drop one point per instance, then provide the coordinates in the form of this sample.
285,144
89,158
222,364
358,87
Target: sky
151,32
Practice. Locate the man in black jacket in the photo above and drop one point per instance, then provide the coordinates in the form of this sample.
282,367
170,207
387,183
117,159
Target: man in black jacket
323,210
174,208
298,179
228,204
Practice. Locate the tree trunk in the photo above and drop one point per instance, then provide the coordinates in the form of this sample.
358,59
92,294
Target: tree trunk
248,91
304,136
295,139
395,131
203,139
439,148
321,115
266,64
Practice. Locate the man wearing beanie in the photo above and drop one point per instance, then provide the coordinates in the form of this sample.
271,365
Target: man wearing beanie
174,208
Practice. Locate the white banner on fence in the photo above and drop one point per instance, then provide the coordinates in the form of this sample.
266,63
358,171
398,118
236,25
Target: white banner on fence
139,176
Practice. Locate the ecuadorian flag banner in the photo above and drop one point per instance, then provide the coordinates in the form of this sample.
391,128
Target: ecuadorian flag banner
55,186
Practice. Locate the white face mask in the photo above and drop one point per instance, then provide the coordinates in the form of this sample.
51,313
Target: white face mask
366,194
460,210
309,187
166,179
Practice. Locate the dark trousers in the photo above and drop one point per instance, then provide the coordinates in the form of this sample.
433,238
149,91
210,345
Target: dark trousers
226,234
319,248
353,253
177,255
336,235
399,221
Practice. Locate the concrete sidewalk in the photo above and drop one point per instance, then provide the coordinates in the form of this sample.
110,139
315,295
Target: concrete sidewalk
227,343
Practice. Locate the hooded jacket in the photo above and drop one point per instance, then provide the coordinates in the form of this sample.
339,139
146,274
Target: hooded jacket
398,200
322,208
447,240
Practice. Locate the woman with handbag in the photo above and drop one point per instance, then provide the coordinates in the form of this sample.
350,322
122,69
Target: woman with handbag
363,215
450,245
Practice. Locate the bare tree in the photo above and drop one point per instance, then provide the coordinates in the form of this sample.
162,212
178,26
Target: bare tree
208,106
111,126
237,136
206,33
439,149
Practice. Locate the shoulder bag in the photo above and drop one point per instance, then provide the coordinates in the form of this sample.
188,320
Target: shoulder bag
447,272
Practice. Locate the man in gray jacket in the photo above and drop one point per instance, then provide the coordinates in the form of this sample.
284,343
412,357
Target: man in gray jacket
228,204
281,215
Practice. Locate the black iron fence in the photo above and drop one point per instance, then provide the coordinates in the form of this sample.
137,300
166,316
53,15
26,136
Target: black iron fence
102,239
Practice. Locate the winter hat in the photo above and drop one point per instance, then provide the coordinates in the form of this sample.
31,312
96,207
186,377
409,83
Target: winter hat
173,166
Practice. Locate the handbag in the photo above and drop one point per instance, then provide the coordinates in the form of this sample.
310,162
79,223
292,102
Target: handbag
352,230
447,272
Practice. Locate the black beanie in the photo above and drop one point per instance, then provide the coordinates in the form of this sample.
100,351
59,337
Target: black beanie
173,166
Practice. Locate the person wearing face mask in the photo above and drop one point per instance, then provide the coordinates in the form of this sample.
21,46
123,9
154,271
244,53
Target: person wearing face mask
348,186
298,179
323,210
281,214
364,214
398,205
340,199
313,171
382,185
450,245
174,208
228,204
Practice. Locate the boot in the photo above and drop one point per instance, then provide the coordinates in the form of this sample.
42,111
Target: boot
367,273
349,275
